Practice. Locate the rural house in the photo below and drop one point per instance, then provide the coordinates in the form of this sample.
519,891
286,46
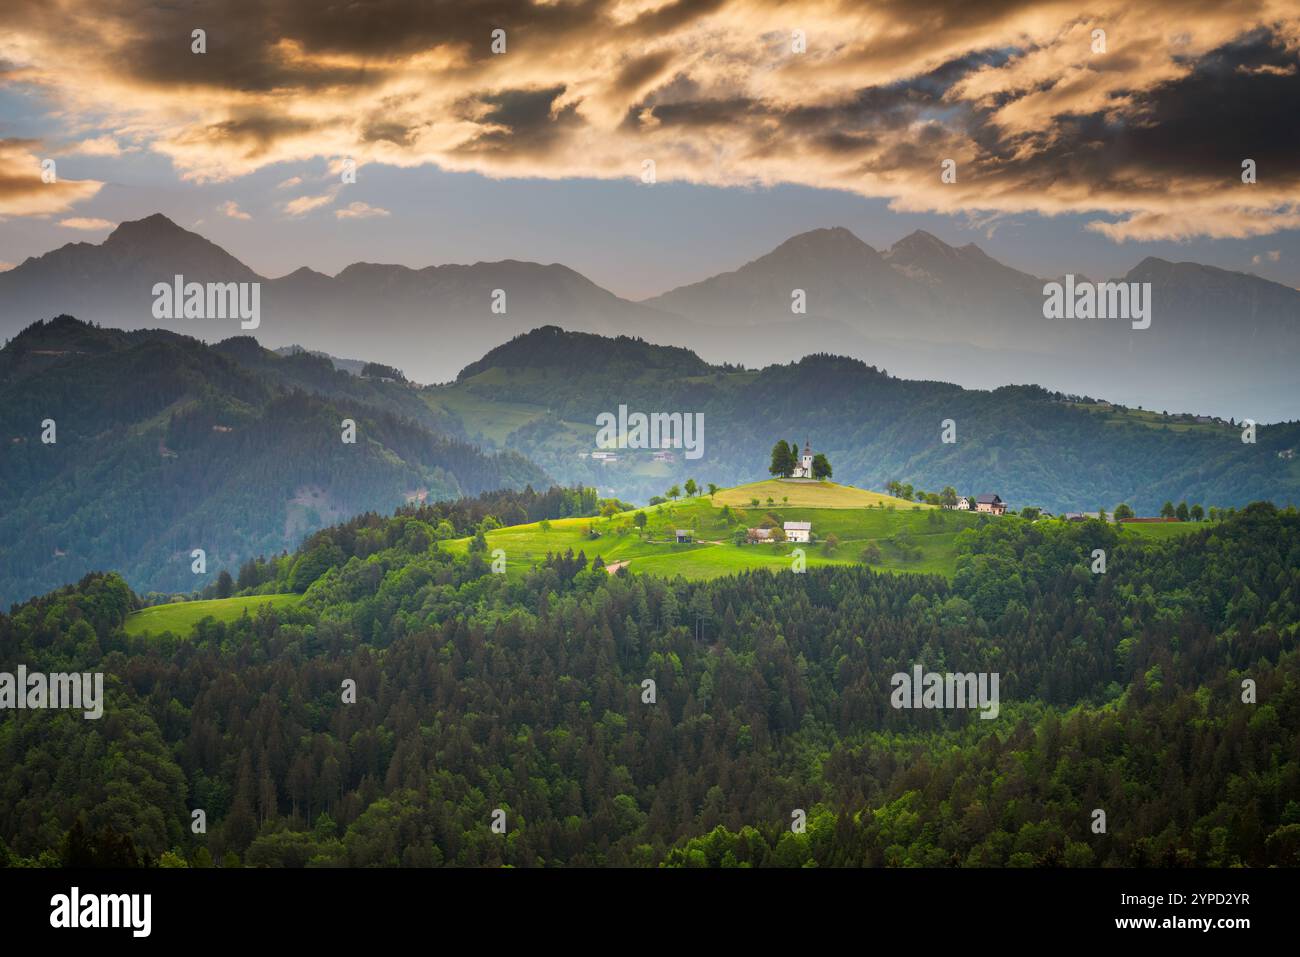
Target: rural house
683,536
989,502
798,531
758,534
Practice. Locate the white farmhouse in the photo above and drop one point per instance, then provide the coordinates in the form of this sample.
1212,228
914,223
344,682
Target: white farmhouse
798,531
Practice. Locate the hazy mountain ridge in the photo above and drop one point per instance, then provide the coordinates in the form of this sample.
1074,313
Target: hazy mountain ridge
429,322
922,308
1030,445
164,444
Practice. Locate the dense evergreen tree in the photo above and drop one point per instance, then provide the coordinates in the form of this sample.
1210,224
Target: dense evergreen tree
477,691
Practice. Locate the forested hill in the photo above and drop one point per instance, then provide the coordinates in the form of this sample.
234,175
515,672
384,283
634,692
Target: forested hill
1122,691
162,445
540,395
587,354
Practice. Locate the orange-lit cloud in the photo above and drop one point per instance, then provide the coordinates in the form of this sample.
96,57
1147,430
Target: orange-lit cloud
360,210
87,223
29,188
231,209
1146,130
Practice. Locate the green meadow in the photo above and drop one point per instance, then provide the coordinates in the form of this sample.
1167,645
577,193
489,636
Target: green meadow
181,617
1161,531
908,537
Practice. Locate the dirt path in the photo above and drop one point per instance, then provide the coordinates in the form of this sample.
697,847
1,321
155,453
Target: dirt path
613,567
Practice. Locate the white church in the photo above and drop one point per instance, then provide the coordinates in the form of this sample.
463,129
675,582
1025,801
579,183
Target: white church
804,468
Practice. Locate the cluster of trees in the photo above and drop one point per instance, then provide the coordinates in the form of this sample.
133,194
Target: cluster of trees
786,458
377,370
904,490
675,492
1182,512
527,695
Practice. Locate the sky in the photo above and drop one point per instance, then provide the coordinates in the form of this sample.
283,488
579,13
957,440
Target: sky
1079,140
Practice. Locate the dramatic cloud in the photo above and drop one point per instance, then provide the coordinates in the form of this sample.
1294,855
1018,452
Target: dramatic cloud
1141,115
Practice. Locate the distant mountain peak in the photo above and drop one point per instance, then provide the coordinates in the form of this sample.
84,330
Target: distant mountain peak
150,229
920,244
830,237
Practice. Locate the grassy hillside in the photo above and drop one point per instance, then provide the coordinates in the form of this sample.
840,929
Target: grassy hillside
910,538
181,617
1160,531
785,492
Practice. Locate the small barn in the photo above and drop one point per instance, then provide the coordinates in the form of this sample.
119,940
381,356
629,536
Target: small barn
684,536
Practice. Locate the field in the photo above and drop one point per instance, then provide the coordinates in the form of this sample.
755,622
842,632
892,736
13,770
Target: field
809,494
481,417
1115,415
908,539
181,617
1161,531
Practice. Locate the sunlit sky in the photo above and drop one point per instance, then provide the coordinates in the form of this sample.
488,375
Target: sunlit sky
1068,158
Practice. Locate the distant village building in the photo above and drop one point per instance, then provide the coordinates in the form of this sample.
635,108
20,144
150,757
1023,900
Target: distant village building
683,536
989,502
798,531
604,458
666,455
804,468
758,534
963,505
1075,517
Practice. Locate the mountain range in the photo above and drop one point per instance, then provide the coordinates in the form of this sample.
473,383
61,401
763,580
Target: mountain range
1220,342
